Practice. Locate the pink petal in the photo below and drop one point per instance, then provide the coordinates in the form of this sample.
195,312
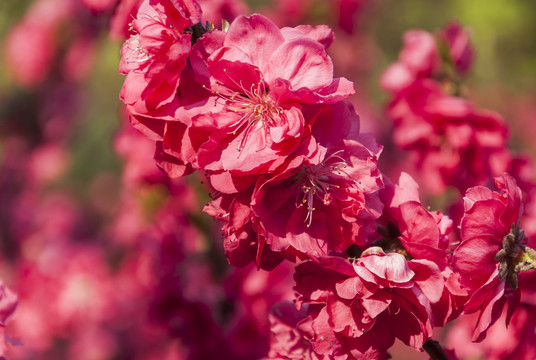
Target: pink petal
256,36
392,267
348,288
303,62
377,304
474,259
428,278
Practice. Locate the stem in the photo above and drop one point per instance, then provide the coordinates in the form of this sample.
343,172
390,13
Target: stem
435,351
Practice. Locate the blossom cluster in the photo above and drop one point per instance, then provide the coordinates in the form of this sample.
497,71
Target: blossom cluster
334,251
257,109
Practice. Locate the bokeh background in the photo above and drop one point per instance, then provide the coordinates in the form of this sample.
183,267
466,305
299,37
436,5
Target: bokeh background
65,245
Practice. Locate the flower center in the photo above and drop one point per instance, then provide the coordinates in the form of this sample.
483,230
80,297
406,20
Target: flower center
390,242
257,110
168,35
317,181
136,53
514,257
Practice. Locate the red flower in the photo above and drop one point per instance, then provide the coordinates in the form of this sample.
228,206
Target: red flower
322,205
153,59
34,38
418,59
258,77
410,229
242,244
323,197
492,251
456,38
454,143
369,302
422,234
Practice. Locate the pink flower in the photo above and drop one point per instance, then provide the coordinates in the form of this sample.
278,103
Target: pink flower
51,13
418,59
48,163
368,302
514,341
154,57
456,38
254,292
287,341
451,142
410,229
123,15
258,80
80,58
99,5
454,143
488,218
328,204
29,51
8,305
152,205
153,60
215,11
422,234
348,11
491,252
324,197
76,283
242,244
424,56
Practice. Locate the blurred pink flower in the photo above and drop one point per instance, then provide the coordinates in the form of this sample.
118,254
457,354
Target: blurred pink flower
30,50
120,22
457,40
99,5
215,11
514,341
48,163
418,59
454,143
286,340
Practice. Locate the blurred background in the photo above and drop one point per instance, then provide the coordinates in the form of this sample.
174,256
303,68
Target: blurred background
107,262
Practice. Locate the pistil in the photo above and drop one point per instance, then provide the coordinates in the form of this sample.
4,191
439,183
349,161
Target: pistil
258,110
317,181
514,257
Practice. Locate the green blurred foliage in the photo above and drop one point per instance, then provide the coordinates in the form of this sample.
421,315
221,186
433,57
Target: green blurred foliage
502,34
99,115
93,155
